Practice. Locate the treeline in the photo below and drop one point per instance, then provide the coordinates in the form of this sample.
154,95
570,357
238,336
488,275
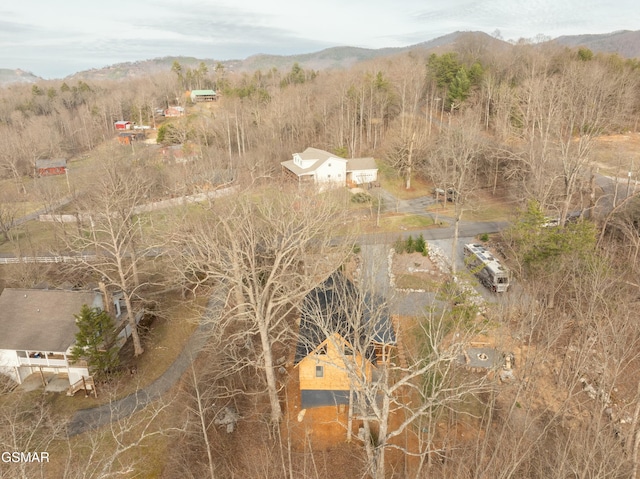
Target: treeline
532,101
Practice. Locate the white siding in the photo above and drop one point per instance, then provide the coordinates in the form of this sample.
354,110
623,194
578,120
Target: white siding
8,363
76,373
364,176
334,170
304,164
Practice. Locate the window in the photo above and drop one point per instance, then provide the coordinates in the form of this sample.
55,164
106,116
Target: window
319,371
328,176
329,165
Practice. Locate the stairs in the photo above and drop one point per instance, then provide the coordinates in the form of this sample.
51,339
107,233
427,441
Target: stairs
85,383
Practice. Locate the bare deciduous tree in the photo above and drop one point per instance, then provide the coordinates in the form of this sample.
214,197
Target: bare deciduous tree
455,164
269,251
9,211
109,240
396,392
114,450
27,425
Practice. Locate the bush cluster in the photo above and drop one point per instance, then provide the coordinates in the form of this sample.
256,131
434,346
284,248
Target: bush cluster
410,245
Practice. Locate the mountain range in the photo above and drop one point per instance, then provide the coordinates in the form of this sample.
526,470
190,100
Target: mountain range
625,43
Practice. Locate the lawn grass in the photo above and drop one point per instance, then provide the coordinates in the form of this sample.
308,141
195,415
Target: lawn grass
32,238
394,184
393,223
413,281
163,342
490,211
397,222
486,208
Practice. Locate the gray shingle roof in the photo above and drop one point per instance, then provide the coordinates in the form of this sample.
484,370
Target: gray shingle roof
336,306
356,164
291,166
309,154
353,164
41,320
58,162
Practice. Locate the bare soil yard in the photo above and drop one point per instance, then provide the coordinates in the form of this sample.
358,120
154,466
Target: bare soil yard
616,155
415,271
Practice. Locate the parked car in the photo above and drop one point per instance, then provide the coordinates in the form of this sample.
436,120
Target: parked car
450,193
550,222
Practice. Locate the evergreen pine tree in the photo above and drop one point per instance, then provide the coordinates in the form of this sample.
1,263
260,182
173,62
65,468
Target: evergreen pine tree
95,341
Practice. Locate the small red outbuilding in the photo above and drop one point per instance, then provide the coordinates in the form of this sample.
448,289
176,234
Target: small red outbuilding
51,167
123,125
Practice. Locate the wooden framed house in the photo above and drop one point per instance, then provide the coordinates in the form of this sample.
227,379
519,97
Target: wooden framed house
344,338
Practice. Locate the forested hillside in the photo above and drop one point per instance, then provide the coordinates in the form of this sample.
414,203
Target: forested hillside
195,226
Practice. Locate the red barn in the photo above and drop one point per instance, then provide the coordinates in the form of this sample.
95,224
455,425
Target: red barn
123,125
51,167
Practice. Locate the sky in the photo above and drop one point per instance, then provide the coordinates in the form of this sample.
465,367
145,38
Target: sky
53,39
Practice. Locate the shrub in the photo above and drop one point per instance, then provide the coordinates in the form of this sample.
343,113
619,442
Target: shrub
420,246
399,246
410,246
361,198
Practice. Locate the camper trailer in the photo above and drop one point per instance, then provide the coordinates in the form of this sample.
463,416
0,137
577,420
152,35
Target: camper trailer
487,268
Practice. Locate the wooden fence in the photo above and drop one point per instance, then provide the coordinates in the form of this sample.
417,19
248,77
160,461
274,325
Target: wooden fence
45,259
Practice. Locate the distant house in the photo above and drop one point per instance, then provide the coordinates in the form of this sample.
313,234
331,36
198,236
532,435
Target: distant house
174,112
51,167
319,167
128,137
340,331
203,95
180,153
123,125
38,331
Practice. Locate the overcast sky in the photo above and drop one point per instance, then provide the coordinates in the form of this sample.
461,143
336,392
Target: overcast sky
53,39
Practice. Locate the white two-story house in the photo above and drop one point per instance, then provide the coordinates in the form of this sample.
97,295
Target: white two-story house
325,170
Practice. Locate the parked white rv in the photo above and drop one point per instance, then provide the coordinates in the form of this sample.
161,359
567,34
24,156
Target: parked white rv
486,267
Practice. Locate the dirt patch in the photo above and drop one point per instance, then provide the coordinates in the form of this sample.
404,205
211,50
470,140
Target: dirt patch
417,272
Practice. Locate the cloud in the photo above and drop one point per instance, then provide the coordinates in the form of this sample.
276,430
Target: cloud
225,26
9,30
56,38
